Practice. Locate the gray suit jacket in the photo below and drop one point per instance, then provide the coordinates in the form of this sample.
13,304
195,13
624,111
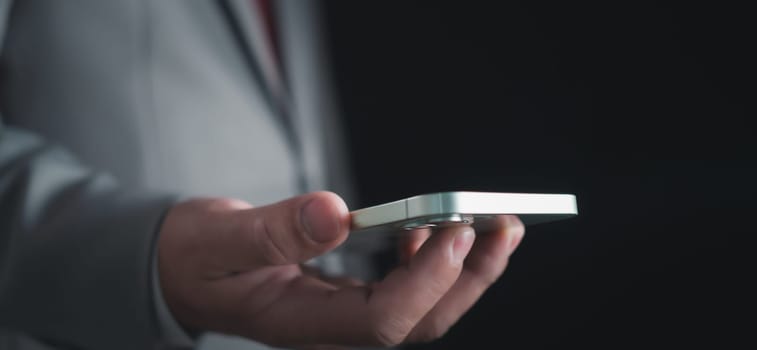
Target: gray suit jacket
113,110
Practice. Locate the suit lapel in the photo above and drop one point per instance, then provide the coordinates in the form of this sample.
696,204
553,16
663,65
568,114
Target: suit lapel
253,32
248,29
5,7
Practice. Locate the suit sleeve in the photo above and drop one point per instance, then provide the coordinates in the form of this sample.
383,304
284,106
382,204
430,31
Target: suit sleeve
75,249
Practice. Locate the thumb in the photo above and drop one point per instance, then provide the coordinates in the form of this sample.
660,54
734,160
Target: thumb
287,232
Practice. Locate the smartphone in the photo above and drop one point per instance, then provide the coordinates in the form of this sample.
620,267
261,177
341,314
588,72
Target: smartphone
474,208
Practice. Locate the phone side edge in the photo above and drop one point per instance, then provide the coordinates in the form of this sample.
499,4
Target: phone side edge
508,203
379,214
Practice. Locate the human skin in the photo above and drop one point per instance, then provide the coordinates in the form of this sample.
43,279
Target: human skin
229,267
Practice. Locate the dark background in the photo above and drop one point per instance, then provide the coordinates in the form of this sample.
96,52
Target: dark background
642,109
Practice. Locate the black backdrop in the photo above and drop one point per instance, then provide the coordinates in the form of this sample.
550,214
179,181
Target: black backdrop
642,109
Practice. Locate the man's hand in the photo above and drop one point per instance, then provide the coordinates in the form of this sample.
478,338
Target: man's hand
228,267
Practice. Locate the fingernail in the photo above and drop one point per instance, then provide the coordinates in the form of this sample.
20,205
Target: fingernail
461,245
319,222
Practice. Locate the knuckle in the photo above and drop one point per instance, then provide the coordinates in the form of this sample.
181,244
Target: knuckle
437,287
487,278
389,330
433,331
267,244
483,280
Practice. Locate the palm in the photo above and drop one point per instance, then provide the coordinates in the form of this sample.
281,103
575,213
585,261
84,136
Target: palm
244,277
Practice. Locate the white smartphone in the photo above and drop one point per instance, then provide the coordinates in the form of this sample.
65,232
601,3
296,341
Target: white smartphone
475,208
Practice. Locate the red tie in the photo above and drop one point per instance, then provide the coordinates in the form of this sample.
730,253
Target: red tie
266,9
